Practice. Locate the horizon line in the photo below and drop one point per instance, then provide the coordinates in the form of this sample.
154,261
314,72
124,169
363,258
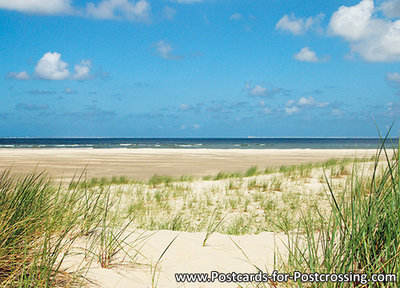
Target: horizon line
244,137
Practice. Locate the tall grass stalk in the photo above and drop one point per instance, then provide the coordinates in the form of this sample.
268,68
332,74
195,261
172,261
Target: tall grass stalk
153,269
213,225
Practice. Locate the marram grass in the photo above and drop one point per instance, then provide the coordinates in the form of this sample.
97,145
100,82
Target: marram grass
361,234
35,220
39,223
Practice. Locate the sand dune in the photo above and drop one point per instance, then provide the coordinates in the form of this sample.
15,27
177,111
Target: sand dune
254,207
187,255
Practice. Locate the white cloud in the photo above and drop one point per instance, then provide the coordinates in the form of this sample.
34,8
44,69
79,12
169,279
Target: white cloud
168,13
375,39
306,55
258,91
37,6
164,50
51,67
310,101
261,91
352,22
120,9
291,110
393,77
306,101
82,71
291,107
291,24
23,75
299,26
236,16
391,9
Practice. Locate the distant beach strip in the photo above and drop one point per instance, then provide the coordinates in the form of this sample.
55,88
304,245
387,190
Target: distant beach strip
197,143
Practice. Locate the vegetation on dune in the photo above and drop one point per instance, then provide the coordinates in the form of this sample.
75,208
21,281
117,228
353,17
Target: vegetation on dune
36,225
352,225
361,233
40,223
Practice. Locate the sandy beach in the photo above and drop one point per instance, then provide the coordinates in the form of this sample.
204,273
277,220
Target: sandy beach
187,255
144,163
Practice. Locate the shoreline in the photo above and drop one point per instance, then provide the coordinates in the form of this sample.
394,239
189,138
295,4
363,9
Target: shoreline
64,163
186,149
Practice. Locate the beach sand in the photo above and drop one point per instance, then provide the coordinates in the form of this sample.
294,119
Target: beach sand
144,163
187,255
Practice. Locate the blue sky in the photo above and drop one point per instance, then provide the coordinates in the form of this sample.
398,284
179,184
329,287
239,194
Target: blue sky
198,68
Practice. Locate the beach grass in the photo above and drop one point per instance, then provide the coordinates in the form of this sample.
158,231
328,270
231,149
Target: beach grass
361,232
256,197
38,224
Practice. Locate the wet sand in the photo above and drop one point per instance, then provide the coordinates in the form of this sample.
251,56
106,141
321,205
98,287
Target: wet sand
143,163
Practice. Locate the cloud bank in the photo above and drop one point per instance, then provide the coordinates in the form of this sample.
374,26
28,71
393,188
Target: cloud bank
120,9
107,9
52,7
293,107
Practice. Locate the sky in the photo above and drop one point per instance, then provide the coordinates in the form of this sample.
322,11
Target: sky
199,68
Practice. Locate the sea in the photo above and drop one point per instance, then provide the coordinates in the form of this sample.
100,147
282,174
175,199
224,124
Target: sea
197,143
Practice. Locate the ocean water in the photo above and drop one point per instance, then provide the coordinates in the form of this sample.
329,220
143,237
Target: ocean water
196,143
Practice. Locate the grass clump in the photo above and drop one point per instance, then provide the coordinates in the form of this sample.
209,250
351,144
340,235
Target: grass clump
40,223
361,232
227,175
112,235
252,171
37,227
158,180
102,182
